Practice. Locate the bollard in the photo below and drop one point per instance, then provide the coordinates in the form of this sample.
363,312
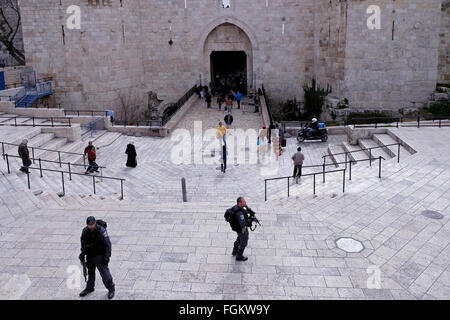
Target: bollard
183,187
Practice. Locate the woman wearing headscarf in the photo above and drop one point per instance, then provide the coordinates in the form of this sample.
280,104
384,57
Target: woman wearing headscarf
131,152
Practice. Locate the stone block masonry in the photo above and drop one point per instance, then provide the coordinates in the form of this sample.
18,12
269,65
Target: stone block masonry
126,45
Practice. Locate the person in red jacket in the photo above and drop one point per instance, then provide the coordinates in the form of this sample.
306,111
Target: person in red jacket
92,156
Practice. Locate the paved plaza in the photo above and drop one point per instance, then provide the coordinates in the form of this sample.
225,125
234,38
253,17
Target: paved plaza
166,249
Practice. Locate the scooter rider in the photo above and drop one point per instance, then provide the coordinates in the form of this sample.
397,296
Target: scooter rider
313,128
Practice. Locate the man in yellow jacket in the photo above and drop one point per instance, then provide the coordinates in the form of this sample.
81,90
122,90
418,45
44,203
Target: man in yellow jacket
221,134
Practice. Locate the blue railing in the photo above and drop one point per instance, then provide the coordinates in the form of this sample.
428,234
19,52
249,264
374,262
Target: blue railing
30,95
91,127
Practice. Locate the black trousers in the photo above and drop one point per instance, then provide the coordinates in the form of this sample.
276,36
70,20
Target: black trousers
239,104
241,241
297,170
97,262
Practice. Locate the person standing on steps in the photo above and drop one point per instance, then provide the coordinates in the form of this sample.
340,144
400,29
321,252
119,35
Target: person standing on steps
271,128
208,99
238,98
221,135
244,220
228,104
25,156
92,156
298,159
96,253
223,165
228,120
220,101
131,153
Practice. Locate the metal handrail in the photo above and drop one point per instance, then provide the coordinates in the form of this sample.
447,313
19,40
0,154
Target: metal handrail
48,150
267,104
365,149
91,112
33,124
70,173
305,175
172,110
324,172
52,161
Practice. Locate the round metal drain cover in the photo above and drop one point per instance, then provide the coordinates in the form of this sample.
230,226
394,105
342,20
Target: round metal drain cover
349,245
432,214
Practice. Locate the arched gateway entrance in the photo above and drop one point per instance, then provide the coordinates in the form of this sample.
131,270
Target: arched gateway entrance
228,59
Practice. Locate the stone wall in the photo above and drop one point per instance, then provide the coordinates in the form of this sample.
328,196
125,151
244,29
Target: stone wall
395,67
444,45
126,45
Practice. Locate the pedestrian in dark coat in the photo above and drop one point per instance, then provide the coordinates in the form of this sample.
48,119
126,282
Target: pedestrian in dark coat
131,152
25,156
96,253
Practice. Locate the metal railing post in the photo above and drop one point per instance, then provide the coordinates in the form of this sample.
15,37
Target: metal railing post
93,183
69,123
40,167
59,157
346,157
33,122
7,163
32,152
379,168
62,179
70,172
323,173
15,121
265,190
350,172
398,154
288,187
418,122
183,189
370,156
121,189
51,121
314,184
28,178
343,182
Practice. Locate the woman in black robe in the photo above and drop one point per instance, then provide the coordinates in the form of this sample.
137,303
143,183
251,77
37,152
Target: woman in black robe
131,152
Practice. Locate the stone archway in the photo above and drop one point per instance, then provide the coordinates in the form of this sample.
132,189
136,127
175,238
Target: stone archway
227,37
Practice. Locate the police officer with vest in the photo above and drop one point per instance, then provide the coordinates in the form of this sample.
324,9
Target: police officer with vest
96,247
244,220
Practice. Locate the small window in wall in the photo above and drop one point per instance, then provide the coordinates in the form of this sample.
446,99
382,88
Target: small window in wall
226,3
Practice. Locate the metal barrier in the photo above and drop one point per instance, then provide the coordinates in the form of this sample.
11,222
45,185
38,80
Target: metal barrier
267,104
70,173
324,172
48,150
88,112
172,109
370,153
34,124
304,175
399,121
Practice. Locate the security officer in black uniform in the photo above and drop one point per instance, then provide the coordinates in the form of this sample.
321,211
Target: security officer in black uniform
96,246
244,220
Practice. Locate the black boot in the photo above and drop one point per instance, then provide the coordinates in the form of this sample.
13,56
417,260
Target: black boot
85,292
111,294
240,255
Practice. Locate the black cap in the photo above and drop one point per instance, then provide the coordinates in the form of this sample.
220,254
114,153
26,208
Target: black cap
90,220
